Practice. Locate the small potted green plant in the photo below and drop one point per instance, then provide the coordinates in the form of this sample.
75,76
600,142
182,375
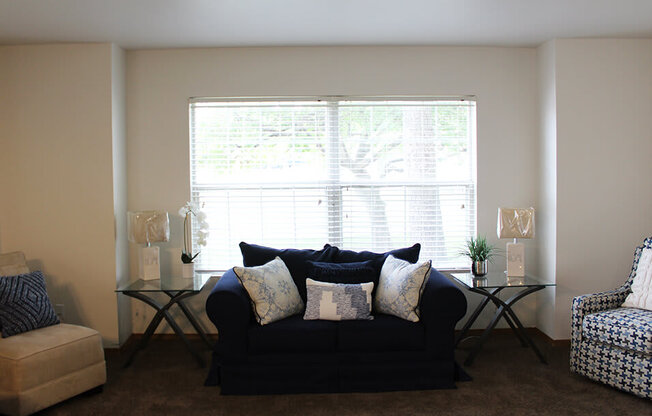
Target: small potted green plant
480,252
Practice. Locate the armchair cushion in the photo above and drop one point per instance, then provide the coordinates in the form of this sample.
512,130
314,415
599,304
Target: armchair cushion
48,365
628,328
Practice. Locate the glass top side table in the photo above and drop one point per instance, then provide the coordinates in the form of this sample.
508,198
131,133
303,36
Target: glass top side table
167,284
177,289
489,286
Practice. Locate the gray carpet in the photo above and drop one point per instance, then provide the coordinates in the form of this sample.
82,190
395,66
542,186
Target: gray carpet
508,380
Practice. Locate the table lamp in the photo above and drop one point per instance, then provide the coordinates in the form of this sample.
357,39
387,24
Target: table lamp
146,227
515,223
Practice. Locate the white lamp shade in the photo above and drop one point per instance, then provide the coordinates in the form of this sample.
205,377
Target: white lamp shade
515,223
148,227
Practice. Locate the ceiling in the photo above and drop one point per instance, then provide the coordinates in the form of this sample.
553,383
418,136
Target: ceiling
139,24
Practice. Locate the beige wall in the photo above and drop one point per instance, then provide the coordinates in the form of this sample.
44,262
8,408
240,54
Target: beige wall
604,143
159,83
603,90
564,128
56,174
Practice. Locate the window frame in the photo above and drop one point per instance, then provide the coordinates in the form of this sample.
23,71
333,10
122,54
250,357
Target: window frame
332,187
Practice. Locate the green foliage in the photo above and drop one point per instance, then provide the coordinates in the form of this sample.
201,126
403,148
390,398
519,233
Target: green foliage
478,249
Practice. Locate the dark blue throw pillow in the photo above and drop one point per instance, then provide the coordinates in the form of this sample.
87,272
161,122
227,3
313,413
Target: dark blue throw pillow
295,260
24,304
410,254
358,272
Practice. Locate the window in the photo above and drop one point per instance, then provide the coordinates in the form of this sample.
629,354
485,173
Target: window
359,173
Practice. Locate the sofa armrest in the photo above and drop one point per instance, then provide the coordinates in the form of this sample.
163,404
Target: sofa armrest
442,305
592,303
228,307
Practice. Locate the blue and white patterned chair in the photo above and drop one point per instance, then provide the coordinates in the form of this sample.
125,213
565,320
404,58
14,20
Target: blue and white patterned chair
610,343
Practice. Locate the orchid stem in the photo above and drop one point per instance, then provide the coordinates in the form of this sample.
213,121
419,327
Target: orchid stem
185,234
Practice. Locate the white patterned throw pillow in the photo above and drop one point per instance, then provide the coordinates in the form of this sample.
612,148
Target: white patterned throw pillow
641,296
338,301
400,287
272,291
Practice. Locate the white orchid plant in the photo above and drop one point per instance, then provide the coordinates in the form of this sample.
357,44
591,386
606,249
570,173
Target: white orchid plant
192,208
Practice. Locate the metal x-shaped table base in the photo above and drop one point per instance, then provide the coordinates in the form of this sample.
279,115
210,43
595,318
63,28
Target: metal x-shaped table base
162,311
504,311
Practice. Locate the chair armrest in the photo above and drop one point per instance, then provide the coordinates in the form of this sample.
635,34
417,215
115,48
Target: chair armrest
442,305
592,303
229,308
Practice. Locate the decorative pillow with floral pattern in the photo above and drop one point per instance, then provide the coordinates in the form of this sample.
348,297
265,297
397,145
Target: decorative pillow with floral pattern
273,294
400,288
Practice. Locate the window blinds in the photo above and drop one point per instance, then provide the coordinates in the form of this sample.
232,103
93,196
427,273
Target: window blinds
361,174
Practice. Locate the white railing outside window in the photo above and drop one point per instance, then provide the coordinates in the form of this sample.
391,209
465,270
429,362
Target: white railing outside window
359,173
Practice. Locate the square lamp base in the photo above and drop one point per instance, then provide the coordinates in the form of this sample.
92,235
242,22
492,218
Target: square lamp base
149,263
515,259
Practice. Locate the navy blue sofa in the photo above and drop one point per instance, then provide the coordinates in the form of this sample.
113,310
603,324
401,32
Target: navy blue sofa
297,356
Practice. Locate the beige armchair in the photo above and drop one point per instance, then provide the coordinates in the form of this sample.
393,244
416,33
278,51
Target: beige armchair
45,366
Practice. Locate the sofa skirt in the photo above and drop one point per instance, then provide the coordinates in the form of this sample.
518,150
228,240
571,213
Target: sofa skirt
334,374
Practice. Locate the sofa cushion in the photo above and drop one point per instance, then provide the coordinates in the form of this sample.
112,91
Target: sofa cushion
384,333
338,301
272,291
629,328
410,254
24,304
356,272
295,260
293,335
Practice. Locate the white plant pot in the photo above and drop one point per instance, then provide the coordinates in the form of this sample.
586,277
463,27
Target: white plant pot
188,270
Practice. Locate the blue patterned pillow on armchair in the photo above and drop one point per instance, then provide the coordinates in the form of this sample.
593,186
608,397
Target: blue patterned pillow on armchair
24,304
